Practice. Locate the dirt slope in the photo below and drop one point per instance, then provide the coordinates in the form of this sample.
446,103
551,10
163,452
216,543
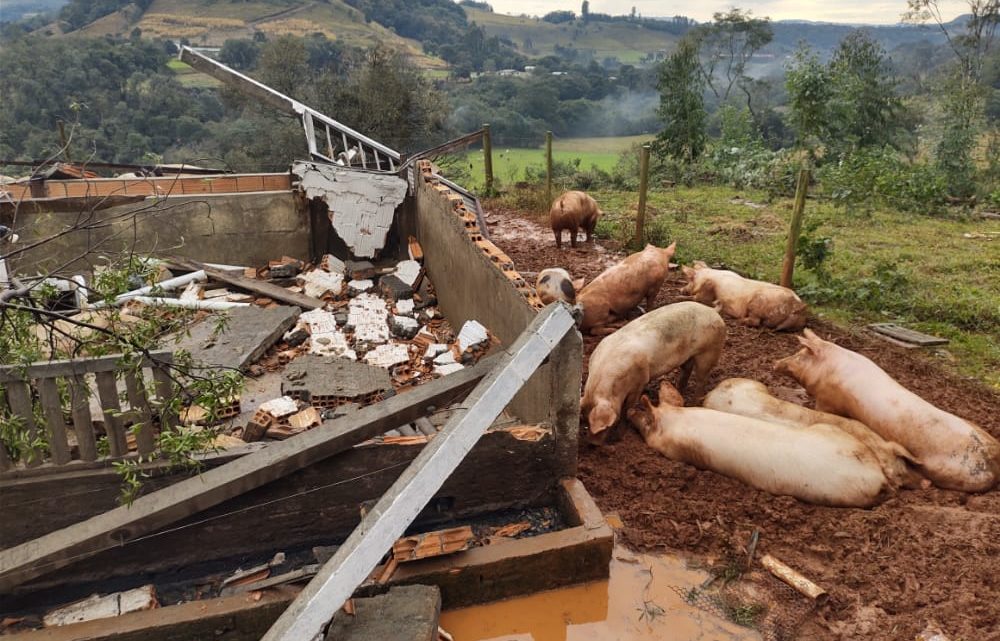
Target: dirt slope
923,555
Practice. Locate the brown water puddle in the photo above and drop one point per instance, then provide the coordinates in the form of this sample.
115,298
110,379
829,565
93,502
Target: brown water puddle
638,602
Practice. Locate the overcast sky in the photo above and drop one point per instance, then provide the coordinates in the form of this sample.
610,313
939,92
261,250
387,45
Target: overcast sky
856,11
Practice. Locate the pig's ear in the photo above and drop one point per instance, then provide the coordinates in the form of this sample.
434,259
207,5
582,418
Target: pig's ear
811,335
672,247
578,283
809,342
670,396
647,404
700,264
688,272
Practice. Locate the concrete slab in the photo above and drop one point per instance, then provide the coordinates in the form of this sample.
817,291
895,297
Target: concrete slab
405,613
326,380
247,335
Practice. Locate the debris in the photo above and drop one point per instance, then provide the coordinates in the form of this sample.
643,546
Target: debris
305,419
388,571
295,576
327,382
404,327
409,272
360,270
356,287
349,607
285,268
225,442
404,306
801,584
527,432
252,285
325,338
393,288
446,357
323,553
210,305
434,349
281,431
196,414
257,426
414,249
295,336
191,293
279,407
428,544
388,355
367,315
416,439
251,575
405,613
319,283
472,334
450,368
512,529
246,335
443,635
333,264
102,607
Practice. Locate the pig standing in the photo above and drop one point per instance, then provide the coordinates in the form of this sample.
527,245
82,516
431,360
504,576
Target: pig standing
750,398
554,284
753,302
620,288
685,335
572,211
818,463
953,453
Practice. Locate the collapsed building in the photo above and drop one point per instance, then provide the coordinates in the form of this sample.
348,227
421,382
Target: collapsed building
394,331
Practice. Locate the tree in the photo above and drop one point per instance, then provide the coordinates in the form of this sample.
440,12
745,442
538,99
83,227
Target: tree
726,45
809,92
866,110
682,107
585,11
558,17
239,54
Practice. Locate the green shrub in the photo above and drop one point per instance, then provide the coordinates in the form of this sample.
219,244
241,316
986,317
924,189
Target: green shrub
867,178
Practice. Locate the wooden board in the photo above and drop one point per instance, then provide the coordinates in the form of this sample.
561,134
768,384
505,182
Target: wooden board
111,529
261,287
428,544
906,335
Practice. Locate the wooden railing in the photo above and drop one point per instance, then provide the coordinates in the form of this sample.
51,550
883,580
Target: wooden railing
36,385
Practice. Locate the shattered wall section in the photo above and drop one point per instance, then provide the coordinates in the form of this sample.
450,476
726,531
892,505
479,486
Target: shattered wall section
362,205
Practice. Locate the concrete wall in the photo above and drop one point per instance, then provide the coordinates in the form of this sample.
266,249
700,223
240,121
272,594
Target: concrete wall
474,280
236,229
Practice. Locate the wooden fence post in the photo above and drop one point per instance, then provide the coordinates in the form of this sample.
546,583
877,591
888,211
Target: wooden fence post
548,168
788,266
488,159
640,217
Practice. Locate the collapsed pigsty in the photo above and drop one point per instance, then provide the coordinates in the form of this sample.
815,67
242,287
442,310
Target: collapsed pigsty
818,463
954,453
685,335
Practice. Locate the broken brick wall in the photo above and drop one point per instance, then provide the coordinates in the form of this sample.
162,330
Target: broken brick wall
234,229
474,280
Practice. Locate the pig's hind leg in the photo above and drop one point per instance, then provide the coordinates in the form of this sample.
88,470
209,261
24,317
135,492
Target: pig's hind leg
704,363
685,374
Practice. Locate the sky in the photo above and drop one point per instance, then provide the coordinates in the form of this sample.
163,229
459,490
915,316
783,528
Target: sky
853,11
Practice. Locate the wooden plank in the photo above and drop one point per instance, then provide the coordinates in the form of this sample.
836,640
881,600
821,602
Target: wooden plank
110,529
397,508
83,426
51,403
428,544
140,414
107,391
19,399
164,386
907,335
252,285
59,368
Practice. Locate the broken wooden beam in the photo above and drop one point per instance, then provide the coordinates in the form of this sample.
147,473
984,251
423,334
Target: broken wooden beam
148,513
428,544
261,287
397,508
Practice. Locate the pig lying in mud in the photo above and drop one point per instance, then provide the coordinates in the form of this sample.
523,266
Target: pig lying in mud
753,302
554,284
572,211
620,288
817,464
685,335
749,398
953,453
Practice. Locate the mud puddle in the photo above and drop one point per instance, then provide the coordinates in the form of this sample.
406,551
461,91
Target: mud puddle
643,599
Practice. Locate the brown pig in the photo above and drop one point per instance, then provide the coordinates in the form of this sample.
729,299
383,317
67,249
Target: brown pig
620,288
952,452
751,398
554,284
685,335
572,211
753,302
817,463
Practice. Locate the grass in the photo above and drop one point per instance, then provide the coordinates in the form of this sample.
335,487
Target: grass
918,271
627,42
189,77
509,163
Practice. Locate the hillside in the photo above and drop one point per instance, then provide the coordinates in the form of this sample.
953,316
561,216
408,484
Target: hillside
534,37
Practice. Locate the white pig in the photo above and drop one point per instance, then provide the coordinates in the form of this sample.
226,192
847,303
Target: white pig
554,284
954,453
818,464
685,335
751,398
753,302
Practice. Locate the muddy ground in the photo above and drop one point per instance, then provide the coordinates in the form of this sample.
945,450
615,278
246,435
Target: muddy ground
923,555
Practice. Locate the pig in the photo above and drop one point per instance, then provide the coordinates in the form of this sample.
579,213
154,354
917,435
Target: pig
571,211
685,335
620,288
953,453
750,398
817,463
554,284
753,302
